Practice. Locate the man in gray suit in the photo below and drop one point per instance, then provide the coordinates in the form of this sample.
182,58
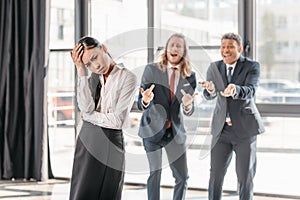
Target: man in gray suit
236,121
167,91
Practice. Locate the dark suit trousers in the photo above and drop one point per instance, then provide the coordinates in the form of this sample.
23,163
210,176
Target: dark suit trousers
221,154
177,160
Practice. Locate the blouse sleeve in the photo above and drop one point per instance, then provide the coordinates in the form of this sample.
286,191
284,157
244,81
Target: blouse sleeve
85,100
116,119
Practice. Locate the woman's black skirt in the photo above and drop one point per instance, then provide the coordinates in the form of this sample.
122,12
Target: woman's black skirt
98,168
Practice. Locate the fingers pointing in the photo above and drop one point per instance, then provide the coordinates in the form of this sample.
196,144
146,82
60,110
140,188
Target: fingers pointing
195,94
183,92
151,87
141,90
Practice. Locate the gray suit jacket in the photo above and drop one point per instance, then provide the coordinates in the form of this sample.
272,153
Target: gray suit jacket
246,120
161,109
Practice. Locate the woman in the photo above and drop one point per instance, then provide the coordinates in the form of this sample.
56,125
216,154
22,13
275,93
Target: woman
105,99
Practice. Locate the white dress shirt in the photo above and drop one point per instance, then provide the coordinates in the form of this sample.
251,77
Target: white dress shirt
176,81
228,120
213,92
233,66
116,98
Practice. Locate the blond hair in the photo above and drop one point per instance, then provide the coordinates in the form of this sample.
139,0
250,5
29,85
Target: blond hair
185,68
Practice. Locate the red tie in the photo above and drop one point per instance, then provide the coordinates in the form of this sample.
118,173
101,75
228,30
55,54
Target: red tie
172,81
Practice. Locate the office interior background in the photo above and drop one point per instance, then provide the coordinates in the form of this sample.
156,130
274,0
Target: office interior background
135,32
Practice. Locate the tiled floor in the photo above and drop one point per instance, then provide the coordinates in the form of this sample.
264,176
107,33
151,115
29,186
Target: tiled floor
278,162
59,189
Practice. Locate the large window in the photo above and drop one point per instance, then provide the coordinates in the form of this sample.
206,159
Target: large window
61,24
123,28
277,38
202,20
277,33
60,81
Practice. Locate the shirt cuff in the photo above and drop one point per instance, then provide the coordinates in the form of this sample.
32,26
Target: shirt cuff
187,109
212,92
237,91
145,106
90,117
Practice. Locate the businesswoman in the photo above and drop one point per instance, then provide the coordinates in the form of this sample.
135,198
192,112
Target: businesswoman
104,99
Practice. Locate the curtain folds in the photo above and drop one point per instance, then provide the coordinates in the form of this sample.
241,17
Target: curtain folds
22,58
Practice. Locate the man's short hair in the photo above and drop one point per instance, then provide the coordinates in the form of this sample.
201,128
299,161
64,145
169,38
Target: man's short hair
233,36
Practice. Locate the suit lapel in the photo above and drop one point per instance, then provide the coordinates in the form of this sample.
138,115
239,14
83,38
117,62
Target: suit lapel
237,69
222,69
179,87
236,72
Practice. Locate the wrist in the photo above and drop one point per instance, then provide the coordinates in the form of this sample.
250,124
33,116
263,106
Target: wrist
234,91
211,90
82,71
145,104
187,107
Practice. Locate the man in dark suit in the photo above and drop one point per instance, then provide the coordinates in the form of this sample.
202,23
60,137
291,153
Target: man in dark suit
236,121
167,91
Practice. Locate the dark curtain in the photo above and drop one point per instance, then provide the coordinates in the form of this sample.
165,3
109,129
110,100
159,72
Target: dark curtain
22,60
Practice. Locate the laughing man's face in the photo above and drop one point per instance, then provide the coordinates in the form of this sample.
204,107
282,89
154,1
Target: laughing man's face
230,51
175,50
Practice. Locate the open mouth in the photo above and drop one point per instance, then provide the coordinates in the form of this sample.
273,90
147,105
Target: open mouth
174,54
226,55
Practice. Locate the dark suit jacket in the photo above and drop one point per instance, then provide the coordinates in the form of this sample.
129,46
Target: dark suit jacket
246,120
155,117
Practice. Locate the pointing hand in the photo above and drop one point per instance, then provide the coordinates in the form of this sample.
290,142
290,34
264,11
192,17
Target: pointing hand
147,94
208,85
187,99
229,91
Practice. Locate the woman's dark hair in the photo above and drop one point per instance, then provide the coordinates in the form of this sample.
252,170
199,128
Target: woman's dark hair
89,42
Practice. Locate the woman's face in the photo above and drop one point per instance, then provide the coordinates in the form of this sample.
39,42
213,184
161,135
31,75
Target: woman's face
96,60
175,50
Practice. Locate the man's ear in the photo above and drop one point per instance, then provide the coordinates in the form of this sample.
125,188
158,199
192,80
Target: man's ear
240,48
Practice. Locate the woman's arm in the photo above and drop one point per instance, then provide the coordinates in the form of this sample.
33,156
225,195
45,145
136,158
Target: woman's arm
84,97
116,119
85,100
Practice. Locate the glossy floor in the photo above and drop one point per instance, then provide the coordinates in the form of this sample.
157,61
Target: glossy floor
59,189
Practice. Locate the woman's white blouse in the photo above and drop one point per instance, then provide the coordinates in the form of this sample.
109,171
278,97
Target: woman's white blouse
116,98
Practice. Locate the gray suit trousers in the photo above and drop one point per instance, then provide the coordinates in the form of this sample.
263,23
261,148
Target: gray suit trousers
177,160
221,154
